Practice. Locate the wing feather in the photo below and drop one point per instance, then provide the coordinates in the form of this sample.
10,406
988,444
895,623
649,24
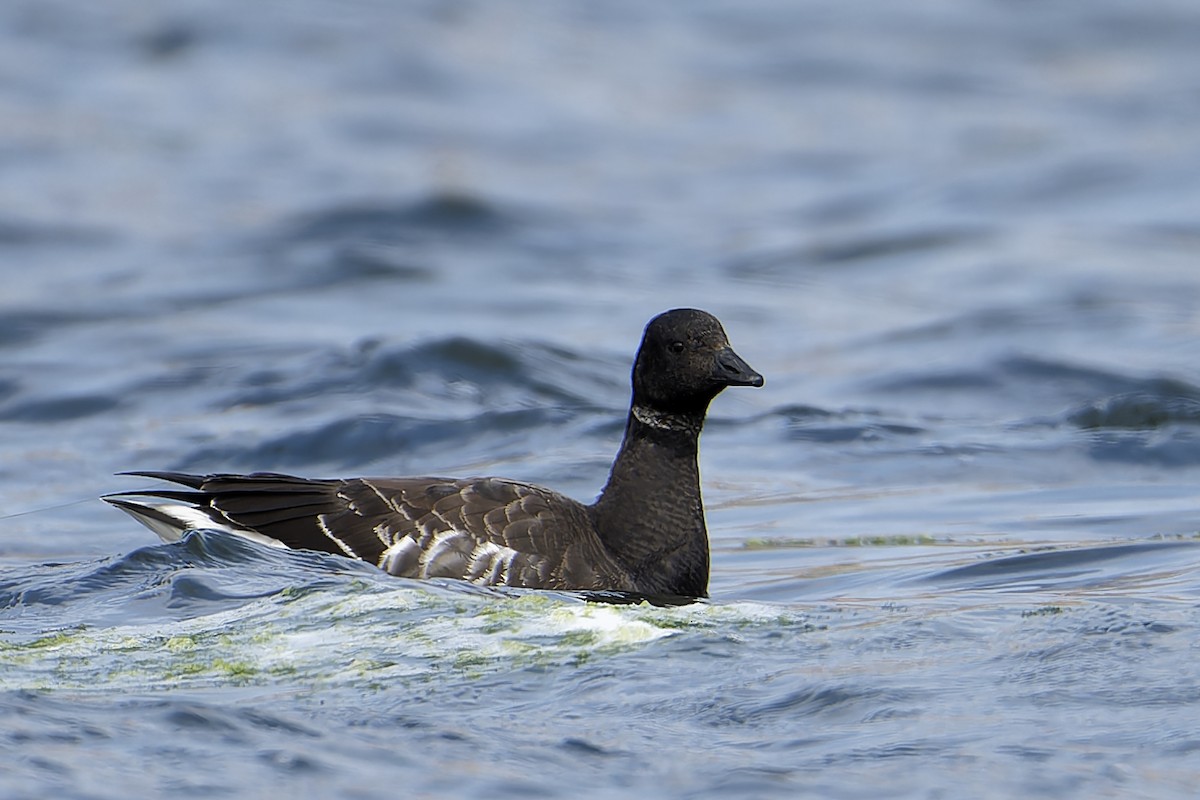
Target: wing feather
485,530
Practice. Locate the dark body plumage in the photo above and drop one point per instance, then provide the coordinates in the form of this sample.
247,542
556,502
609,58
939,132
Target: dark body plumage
645,534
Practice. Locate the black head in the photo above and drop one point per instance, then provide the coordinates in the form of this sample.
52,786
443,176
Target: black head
685,361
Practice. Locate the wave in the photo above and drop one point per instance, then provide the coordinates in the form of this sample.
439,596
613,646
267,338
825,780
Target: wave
443,369
352,442
1151,566
213,609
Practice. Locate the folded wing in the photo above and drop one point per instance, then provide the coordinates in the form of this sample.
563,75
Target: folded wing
485,530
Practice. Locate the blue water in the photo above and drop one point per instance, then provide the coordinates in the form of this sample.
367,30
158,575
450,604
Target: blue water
955,537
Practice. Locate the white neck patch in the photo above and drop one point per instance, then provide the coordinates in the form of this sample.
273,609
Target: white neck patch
666,422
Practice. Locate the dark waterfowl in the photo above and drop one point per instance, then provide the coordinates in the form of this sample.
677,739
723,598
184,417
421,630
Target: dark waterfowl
645,534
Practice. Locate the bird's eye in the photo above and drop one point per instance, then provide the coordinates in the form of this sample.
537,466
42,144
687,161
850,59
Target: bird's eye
676,347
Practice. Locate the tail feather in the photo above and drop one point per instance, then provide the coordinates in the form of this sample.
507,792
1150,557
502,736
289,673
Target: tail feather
196,498
254,506
226,483
169,521
182,478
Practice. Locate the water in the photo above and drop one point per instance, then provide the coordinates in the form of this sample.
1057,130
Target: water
954,537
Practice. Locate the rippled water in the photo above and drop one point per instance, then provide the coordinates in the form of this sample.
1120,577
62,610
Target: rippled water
954,537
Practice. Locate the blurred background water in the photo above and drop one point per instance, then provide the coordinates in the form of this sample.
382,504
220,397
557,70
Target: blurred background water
954,536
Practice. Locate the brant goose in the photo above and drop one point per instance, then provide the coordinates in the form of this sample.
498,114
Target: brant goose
644,535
